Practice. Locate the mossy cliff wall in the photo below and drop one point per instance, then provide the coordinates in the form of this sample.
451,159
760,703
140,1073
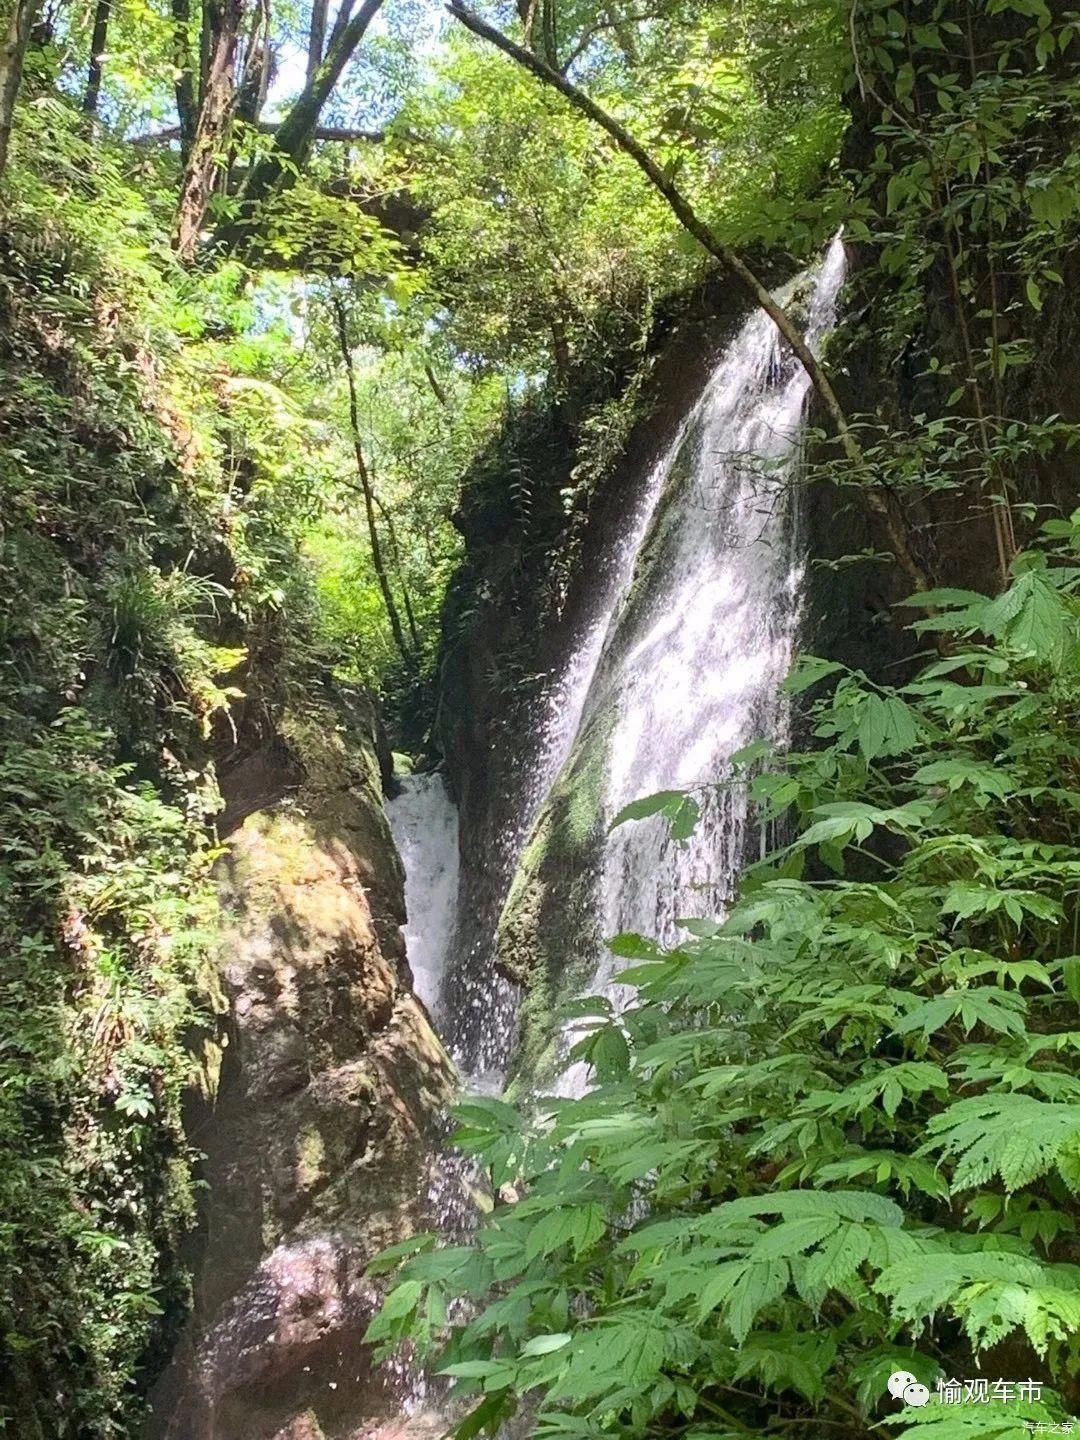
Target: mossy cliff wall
548,930
852,612
317,1148
537,513
528,586
163,997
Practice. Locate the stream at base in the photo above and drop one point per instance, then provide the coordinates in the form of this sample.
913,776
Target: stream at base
424,824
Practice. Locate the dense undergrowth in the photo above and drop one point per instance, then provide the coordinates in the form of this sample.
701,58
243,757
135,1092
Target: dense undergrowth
837,1134
150,572
107,916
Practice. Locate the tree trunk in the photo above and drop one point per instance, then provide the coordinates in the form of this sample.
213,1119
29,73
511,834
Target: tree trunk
316,37
624,34
436,389
882,505
98,42
527,14
206,40
12,57
215,113
399,566
295,135
549,35
365,484
187,109
253,82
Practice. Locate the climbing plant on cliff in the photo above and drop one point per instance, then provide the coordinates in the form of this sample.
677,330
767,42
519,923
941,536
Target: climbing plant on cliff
179,560
837,1133
156,491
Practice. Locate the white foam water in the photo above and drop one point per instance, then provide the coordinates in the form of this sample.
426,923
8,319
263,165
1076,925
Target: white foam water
424,824
691,669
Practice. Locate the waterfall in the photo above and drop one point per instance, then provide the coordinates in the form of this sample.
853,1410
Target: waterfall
424,824
692,670
481,1015
677,658
482,1006
692,665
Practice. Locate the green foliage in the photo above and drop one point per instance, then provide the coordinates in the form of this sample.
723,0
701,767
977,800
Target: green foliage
836,1133
108,931
529,237
960,210
423,419
149,573
182,558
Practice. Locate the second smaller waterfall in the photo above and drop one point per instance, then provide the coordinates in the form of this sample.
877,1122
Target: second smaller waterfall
424,824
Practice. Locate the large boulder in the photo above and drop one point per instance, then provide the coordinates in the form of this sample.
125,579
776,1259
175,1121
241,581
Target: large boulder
321,1147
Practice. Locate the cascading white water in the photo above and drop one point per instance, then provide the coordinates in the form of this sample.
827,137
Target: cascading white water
686,638
696,665
692,665
424,824
483,1028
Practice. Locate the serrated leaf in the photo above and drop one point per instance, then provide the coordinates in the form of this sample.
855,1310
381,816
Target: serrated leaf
836,1260
809,670
546,1344
760,1283
791,1237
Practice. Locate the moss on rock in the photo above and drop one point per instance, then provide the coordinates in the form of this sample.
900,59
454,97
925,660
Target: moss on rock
549,936
319,1149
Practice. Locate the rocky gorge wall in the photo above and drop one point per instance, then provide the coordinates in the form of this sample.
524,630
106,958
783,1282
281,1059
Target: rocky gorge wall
955,352
317,1147
536,513
213,1064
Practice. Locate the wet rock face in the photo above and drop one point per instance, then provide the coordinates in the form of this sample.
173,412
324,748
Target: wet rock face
291,1341
513,614
318,1148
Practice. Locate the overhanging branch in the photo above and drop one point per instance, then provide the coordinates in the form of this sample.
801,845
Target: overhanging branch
692,222
345,133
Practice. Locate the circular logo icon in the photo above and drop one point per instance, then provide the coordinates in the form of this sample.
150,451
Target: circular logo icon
899,1381
916,1394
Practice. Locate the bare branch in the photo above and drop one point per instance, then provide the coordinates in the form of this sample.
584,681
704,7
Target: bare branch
316,36
293,138
436,389
616,24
